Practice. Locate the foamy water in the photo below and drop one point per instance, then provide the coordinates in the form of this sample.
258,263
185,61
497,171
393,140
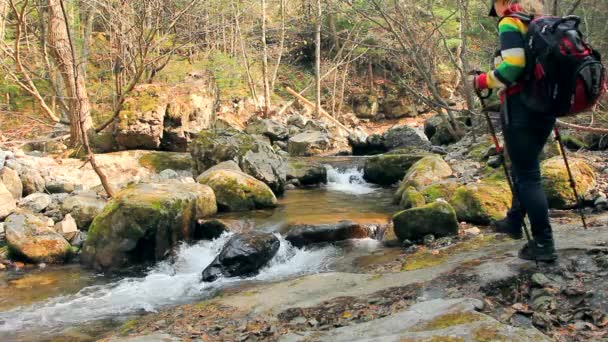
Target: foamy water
168,283
349,181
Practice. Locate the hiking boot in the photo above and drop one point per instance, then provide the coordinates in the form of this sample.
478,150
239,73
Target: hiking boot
506,226
538,252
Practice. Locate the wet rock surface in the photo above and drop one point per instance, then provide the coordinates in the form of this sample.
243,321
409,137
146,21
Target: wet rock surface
438,218
390,168
303,235
243,255
306,173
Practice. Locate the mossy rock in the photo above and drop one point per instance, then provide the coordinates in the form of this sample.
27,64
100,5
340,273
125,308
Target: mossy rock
237,191
557,183
426,171
481,151
411,198
444,190
483,202
438,218
389,168
144,221
159,161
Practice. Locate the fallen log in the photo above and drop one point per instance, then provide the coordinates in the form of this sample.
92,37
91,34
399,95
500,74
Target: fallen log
582,128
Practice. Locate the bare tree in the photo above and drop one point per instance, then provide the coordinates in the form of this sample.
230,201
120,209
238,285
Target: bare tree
281,44
265,63
318,58
3,14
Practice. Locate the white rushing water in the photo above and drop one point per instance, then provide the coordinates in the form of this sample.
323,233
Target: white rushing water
349,181
168,283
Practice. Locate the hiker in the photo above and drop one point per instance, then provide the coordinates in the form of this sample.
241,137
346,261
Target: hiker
525,131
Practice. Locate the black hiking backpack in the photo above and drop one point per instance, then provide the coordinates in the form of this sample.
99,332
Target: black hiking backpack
564,75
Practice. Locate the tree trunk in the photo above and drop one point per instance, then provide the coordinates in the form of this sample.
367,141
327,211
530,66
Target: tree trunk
265,63
318,59
3,13
281,45
76,91
89,18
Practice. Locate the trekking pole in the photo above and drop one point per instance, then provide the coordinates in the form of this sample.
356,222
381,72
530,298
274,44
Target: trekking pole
501,151
579,199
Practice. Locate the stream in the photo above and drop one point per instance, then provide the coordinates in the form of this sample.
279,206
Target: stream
77,304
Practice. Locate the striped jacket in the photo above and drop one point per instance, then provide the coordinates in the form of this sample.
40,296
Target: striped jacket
511,62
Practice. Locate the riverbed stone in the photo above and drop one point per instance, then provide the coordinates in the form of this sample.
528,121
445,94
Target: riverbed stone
141,121
389,168
243,256
11,180
404,137
557,183
83,208
303,235
411,198
443,189
32,182
274,130
482,202
237,191
306,172
36,203
438,218
425,172
255,158
32,237
308,143
144,221
67,227
7,202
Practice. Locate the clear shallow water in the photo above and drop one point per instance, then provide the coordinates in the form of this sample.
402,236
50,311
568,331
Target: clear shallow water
48,301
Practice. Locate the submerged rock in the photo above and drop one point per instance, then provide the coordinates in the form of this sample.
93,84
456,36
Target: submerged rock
308,144
144,221
303,235
33,238
237,191
307,173
557,183
389,168
482,203
438,218
243,256
255,158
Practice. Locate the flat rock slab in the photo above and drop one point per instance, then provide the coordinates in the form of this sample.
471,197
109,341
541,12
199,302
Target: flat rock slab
436,320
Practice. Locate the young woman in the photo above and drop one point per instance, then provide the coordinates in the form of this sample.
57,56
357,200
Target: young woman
525,132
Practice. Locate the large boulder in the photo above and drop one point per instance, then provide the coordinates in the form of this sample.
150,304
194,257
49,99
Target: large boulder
11,180
557,183
426,171
32,237
437,129
243,255
303,235
144,221
483,202
32,181
83,208
141,121
437,218
390,168
411,198
272,129
7,202
306,173
396,107
237,191
405,136
365,106
36,203
308,144
255,158
443,189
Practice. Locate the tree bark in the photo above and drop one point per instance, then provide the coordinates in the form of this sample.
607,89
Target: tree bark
318,59
281,45
265,63
78,100
3,13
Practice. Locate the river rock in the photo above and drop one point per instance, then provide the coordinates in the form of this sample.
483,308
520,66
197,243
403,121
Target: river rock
237,191
243,256
144,221
438,219
272,129
443,189
365,106
297,120
36,203
437,129
405,136
557,184
308,144
32,182
67,227
140,124
83,208
307,173
7,202
253,157
214,228
11,180
31,237
389,168
411,198
425,172
483,202
398,107
303,235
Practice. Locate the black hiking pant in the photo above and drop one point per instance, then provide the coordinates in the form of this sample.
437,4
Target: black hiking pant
526,133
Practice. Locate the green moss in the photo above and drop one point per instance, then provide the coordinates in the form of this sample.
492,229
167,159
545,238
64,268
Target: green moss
449,320
489,334
159,161
482,202
479,150
412,199
128,326
557,184
436,191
